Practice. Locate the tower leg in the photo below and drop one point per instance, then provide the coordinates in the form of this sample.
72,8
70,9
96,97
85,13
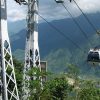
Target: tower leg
32,55
9,86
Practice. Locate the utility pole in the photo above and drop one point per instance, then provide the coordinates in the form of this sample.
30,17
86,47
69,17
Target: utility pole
9,86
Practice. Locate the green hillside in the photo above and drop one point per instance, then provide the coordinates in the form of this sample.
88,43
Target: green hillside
57,60
57,50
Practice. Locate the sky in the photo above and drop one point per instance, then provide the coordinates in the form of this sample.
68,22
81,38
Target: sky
50,10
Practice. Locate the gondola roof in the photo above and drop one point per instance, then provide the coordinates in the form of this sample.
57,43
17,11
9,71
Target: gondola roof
97,47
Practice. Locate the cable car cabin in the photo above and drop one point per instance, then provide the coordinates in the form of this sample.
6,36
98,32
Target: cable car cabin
94,55
59,1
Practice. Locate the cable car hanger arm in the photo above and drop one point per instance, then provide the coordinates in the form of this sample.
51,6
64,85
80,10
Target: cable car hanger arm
21,2
61,1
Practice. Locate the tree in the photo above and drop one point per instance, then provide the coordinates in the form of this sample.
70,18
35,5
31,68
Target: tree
19,74
73,71
58,89
35,85
89,92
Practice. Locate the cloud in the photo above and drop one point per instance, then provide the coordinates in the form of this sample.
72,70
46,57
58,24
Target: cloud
89,6
15,11
50,10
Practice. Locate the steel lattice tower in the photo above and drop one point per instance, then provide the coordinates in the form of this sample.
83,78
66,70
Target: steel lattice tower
9,86
32,55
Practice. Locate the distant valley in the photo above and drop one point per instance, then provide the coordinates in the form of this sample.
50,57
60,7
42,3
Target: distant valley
57,49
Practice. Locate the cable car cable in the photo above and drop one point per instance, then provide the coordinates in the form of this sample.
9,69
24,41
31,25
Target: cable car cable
93,56
77,24
61,33
85,16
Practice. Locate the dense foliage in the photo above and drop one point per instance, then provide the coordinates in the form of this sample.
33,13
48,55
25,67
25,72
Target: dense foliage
19,74
90,91
89,94
66,86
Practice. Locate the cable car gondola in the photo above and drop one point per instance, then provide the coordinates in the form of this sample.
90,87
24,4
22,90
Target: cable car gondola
59,1
94,55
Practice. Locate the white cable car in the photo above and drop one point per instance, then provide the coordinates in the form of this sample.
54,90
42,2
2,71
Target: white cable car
94,55
59,1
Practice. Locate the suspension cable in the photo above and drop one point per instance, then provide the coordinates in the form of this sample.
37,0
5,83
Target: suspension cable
77,24
94,28
60,32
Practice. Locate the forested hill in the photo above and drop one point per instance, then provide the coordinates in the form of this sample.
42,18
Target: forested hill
56,48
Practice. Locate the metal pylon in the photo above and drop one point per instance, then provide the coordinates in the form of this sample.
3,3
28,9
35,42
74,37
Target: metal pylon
9,86
32,55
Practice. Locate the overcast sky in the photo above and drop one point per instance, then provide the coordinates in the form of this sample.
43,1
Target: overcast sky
52,11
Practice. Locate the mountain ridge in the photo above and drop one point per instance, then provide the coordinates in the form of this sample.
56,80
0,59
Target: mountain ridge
51,41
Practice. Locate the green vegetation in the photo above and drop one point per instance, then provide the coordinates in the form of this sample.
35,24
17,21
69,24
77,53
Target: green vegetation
35,85
19,54
59,52
58,88
90,91
64,86
19,74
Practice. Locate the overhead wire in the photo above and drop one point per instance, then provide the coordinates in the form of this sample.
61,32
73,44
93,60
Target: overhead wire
77,24
60,32
92,25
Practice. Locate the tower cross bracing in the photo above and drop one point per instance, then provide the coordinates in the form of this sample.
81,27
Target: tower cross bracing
8,80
